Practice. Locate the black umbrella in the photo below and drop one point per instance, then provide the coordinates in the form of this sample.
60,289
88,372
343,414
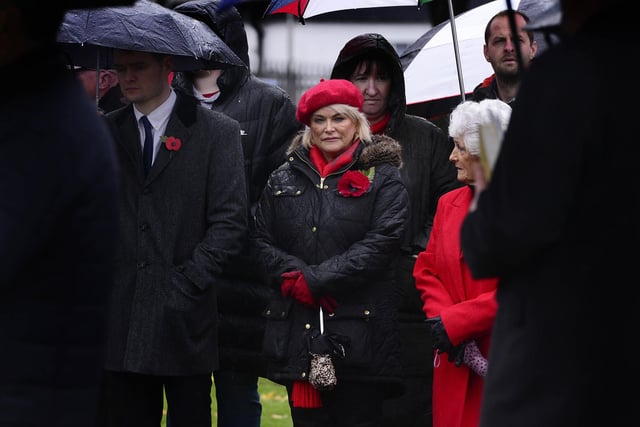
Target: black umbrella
147,26
87,56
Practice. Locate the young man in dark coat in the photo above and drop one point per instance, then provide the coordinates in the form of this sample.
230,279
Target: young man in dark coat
58,222
181,220
267,120
373,65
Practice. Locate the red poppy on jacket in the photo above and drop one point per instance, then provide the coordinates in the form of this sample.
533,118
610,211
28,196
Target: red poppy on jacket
353,184
173,143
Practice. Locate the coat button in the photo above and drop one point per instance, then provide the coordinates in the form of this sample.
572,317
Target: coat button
314,229
307,326
141,265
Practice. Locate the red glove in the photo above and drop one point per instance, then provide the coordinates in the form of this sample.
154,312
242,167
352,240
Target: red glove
328,303
289,280
294,285
300,291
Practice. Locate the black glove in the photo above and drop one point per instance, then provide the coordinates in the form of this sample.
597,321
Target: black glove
456,355
439,336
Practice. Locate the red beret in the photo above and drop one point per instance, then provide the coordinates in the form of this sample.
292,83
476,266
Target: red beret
328,92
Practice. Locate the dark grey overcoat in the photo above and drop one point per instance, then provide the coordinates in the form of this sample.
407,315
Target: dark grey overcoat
179,226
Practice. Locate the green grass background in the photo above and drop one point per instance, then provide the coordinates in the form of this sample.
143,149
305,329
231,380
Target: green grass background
275,407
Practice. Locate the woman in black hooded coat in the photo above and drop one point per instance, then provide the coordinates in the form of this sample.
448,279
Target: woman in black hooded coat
427,174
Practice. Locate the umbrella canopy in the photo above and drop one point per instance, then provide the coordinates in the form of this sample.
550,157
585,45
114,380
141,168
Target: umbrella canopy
149,27
429,64
307,8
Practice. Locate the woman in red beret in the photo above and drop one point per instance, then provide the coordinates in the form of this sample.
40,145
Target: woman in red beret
328,226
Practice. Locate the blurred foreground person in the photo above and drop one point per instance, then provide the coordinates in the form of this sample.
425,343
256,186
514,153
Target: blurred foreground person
58,222
461,310
558,223
329,225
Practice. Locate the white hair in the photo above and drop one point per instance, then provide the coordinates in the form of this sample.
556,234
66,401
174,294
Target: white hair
469,117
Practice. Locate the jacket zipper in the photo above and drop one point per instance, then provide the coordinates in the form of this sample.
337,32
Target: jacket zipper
322,178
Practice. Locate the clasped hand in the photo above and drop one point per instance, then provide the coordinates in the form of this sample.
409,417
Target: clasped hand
295,286
443,344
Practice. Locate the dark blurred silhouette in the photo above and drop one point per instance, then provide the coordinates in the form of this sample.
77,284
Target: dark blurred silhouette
558,223
58,224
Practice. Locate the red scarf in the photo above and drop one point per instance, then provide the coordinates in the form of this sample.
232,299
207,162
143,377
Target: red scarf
303,395
379,127
326,168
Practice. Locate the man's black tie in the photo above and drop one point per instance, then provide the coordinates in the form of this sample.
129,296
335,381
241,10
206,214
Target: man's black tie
147,150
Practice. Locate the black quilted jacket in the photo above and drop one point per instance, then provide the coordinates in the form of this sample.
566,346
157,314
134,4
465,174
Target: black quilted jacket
345,247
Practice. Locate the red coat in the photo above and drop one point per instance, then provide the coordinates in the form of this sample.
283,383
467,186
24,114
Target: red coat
466,306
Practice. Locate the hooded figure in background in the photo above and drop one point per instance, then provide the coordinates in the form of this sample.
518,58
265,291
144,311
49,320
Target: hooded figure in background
373,65
267,120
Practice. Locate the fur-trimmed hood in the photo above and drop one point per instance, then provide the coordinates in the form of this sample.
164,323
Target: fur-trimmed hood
381,149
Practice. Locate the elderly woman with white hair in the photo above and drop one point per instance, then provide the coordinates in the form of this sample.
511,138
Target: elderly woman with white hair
460,309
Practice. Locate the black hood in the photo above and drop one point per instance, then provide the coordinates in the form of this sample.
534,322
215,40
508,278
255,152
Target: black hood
226,23
373,45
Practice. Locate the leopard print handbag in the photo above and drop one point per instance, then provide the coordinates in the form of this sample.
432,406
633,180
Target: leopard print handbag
322,373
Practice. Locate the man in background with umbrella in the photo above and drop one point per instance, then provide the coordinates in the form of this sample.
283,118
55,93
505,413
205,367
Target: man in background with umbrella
183,215
101,85
373,65
500,50
58,222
